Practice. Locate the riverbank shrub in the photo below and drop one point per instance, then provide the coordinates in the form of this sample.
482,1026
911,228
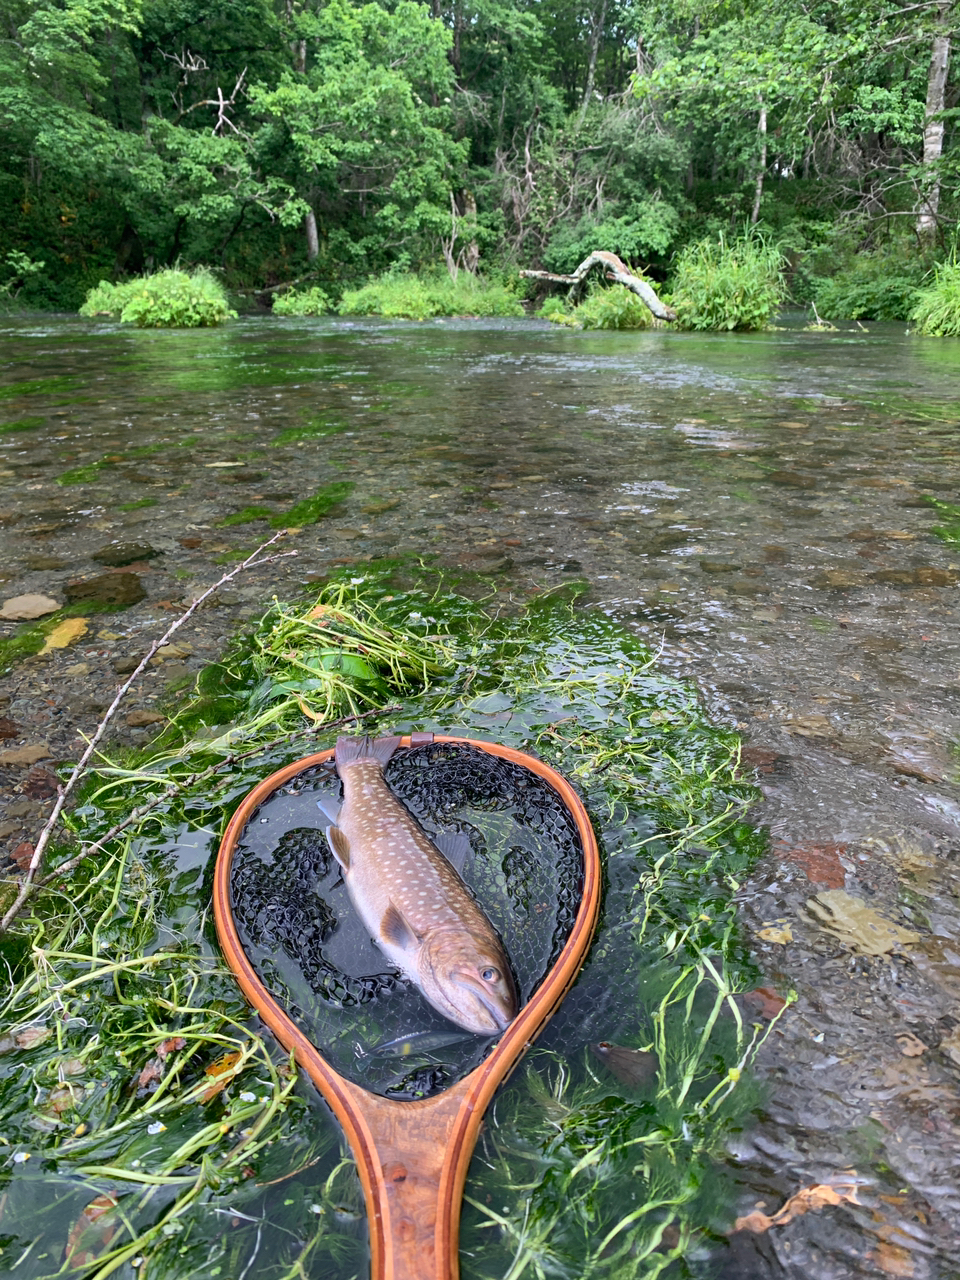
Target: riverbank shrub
936,310
170,299
722,285
308,302
412,297
614,308
873,286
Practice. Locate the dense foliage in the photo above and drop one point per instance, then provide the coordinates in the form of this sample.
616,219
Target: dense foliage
937,310
325,141
169,299
735,285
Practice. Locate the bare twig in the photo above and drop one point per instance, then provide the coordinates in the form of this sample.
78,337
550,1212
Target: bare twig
78,770
616,270
202,775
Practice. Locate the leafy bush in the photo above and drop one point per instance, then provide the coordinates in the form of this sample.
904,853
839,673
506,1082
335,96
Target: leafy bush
648,230
875,286
310,302
171,299
723,286
937,308
418,298
613,308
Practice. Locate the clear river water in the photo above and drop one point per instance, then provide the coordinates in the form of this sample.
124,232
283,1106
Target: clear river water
757,507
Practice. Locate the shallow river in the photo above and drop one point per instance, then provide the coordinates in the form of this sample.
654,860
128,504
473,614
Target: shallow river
754,505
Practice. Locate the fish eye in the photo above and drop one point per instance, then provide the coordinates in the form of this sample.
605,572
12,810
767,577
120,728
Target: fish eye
489,975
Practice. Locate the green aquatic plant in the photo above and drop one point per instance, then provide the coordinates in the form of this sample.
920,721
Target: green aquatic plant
21,424
604,308
420,297
169,299
937,309
247,516
143,1109
728,284
310,510
305,302
950,531
315,429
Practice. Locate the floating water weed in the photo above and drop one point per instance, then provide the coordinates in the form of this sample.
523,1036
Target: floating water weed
151,1108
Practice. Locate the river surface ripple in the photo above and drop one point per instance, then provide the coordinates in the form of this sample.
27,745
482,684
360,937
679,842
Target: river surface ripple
753,504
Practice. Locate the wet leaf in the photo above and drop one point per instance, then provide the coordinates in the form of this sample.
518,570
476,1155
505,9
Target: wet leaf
92,1232
22,855
778,932
150,1074
221,1072
65,633
32,1036
910,1045
842,1189
857,925
892,1259
765,1001
633,1067
170,1046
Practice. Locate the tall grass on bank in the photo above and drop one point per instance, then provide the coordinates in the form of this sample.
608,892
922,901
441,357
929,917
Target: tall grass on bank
170,299
937,309
722,285
149,1123
421,297
304,302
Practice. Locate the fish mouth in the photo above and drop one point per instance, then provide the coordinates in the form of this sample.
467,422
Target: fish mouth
499,1018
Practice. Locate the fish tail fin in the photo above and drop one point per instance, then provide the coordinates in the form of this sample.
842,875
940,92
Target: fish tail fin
350,750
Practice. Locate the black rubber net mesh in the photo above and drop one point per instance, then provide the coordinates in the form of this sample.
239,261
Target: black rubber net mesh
311,951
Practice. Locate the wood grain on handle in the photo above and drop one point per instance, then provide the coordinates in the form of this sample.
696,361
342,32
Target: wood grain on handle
412,1157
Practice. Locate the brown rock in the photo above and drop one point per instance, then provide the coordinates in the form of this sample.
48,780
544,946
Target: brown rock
26,755
838,580
794,479
26,608
140,719
116,589
8,729
40,784
121,553
719,566
123,666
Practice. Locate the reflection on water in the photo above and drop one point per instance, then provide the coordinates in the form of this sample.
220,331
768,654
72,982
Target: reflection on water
752,504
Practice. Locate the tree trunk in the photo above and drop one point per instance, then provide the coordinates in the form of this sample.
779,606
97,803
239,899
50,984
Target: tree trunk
596,36
933,133
758,192
613,269
313,239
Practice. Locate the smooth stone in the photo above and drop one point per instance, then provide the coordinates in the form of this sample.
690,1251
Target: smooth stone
25,608
838,580
794,479
921,576
116,554
26,755
39,564
123,666
140,719
118,589
719,566
78,669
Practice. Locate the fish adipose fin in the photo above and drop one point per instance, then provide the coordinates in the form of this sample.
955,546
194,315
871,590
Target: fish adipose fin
339,846
350,750
395,930
454,846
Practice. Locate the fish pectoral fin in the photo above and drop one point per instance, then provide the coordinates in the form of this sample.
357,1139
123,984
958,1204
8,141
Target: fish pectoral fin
454,846
395,930
339,846
330,809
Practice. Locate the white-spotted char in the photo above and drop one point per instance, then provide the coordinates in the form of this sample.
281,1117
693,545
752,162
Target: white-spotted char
418,910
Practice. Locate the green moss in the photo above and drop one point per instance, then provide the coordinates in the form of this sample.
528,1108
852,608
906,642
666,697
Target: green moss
136,506
81,475
38,387
316,429
310,510
21,424
247,516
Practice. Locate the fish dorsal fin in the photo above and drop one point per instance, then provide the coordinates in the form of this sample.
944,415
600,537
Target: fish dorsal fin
395,930
339,846
454,846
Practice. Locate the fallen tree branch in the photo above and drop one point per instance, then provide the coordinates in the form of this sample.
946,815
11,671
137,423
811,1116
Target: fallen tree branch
63,792
615,270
